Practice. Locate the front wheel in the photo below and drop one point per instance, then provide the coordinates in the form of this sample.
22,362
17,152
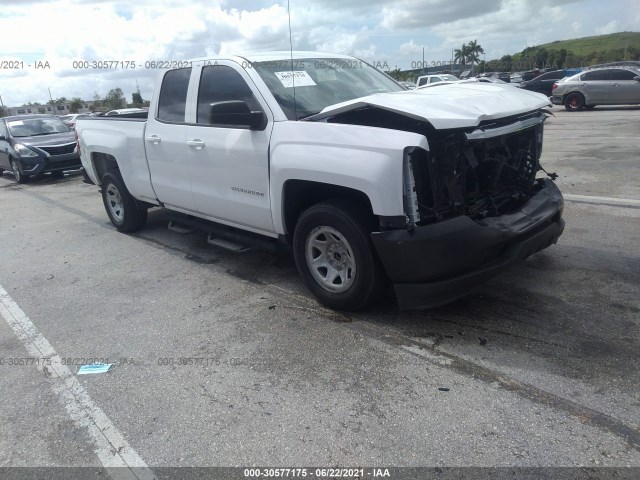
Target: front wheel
335,257
19,177
574,102
125,212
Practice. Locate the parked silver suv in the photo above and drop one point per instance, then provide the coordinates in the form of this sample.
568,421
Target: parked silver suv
599,86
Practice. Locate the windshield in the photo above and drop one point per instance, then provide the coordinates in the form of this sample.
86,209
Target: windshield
320,82
31,127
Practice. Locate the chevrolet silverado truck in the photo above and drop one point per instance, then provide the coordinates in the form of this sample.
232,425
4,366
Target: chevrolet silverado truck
432,190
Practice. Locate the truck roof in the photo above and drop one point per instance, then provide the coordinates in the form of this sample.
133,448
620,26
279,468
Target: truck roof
271,56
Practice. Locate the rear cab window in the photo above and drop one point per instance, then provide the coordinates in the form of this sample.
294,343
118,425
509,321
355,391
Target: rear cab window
173,96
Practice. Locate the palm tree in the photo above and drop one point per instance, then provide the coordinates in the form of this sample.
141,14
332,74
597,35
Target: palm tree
461,54
474,51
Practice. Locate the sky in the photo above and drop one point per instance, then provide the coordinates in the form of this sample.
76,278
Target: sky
45,43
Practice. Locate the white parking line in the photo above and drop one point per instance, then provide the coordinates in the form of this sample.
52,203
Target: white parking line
594,199
110,446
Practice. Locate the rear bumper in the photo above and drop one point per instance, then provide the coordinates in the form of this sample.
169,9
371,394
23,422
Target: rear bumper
438,263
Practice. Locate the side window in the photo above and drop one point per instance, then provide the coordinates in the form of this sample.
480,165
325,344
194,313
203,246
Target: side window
173,95
220,83
597,75
435,79
618,74
423,81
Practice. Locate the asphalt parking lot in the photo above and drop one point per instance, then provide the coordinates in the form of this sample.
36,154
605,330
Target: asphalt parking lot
226,360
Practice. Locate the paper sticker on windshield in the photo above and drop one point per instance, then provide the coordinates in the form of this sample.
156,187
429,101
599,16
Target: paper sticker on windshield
300,78
326,75
16,123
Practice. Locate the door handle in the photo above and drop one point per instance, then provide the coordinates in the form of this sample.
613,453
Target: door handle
196,143
616,85
153,139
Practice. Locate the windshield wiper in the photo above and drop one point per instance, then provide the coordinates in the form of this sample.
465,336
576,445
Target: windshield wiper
43,133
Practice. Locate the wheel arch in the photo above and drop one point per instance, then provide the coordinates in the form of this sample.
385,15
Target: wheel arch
299,195
102,163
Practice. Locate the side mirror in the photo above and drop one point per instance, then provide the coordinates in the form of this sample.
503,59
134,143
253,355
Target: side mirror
3,138
236,113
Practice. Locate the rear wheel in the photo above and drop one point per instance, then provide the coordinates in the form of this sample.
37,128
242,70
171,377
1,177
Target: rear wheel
20,178
574,102
335,256
125,212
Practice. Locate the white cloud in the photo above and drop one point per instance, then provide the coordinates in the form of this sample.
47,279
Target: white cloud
64,31
411,49
611,27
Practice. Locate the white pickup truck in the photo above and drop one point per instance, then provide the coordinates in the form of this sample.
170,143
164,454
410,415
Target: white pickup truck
430,190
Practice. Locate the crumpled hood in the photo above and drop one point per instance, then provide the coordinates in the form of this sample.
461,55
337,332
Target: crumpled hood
456,105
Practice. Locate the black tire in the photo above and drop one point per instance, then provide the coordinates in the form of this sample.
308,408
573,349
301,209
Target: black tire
86,178
57,174
574,102
125,212
19,177
350,251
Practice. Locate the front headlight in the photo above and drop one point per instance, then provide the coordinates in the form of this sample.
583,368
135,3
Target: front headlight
24,151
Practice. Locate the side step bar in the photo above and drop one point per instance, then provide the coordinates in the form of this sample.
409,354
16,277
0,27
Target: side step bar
227,244
229,238
177,227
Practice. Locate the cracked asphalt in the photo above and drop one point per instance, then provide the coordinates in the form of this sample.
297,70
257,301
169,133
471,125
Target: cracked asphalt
227,360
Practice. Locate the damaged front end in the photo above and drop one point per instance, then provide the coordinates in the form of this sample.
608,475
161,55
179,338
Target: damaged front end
473,206
485,172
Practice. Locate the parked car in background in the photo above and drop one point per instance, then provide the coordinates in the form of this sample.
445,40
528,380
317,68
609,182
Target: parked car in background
530,74
70,120
466,74
543,83
35,144
124,111
441,77
408,85
599,86
516,77
504,76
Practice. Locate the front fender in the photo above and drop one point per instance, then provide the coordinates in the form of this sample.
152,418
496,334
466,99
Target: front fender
367,159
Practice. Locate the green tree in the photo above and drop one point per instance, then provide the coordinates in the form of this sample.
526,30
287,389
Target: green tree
137,99
76,104
396,74
115,99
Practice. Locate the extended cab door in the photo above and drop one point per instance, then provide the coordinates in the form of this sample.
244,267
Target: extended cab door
230,180
164,140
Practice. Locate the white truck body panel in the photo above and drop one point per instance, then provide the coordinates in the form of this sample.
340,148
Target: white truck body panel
362,158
